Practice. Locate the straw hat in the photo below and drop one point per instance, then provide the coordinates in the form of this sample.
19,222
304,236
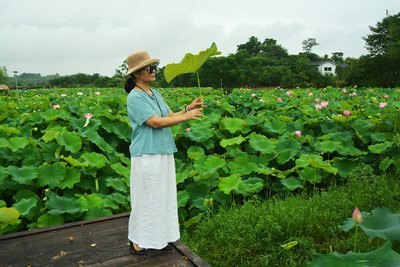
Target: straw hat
138,60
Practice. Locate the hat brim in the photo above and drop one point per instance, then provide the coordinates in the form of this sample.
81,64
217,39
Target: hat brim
143,64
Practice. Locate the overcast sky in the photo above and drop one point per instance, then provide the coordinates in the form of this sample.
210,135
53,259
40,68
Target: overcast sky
87,36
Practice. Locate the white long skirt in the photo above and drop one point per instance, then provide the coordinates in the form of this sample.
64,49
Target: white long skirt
153,221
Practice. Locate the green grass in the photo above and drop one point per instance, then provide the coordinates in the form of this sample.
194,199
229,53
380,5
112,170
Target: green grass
252,235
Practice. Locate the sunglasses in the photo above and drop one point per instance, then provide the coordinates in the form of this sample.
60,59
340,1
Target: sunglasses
151,68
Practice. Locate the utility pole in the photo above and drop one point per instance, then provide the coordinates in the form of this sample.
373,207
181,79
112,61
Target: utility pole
221,78
16,79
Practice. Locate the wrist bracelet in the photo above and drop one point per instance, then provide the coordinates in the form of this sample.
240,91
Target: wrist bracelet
187,108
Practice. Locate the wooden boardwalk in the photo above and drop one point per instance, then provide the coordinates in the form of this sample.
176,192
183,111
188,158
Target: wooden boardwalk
100,242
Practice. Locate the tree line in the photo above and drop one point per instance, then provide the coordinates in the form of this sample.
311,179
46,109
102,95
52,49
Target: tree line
265,64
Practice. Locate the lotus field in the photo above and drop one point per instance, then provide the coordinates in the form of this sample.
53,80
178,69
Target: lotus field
64,153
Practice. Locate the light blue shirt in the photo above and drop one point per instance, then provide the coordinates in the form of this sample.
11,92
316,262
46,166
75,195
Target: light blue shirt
146,139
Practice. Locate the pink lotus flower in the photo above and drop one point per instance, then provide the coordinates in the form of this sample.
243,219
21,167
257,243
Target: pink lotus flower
188,129
316,100
353,94
88,116
297,133
279,100
382,105
324,104
318,106
56,106
63,95
346,113
288,93
357,217
253,95
344,91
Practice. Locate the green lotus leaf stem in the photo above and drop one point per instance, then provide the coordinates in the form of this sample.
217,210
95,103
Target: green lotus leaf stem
96,183
355,238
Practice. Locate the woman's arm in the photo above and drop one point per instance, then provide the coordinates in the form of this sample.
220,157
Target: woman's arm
172,114
196,104
174,118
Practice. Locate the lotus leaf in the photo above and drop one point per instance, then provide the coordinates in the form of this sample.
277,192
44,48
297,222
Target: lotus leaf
227,184
97,212
287,149
232,141
380,148
62,205
344,166
242,165
24,175
383,256
18,143
47,220
51,174
183,197
385,164
190,63
94,159
292,183
234,125
250,186
8,215
27,207
261,143
71,141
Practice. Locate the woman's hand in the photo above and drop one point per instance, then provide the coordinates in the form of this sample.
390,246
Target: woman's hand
193,114
196,104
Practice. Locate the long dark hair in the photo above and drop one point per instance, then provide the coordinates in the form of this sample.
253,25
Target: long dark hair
130,83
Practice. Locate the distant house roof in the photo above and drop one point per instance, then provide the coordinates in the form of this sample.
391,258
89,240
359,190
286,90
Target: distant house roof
4,87
319,63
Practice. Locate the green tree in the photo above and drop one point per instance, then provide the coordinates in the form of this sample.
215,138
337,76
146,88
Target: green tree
253,47
271,49
385,37
381,66
3,75
122,69
308,44
337,56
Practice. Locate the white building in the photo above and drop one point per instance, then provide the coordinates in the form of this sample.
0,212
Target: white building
326,67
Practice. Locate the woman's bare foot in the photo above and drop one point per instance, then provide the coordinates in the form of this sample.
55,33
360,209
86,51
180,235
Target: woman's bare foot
137,247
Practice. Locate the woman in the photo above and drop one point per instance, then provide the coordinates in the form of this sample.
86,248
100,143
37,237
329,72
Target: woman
153,221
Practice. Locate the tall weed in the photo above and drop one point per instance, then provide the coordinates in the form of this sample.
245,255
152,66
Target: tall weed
252,235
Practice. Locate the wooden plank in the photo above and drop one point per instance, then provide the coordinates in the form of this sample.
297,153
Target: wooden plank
196,260
100,242
67,225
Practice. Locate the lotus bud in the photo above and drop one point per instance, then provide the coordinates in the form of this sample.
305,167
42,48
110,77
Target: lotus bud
357,217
